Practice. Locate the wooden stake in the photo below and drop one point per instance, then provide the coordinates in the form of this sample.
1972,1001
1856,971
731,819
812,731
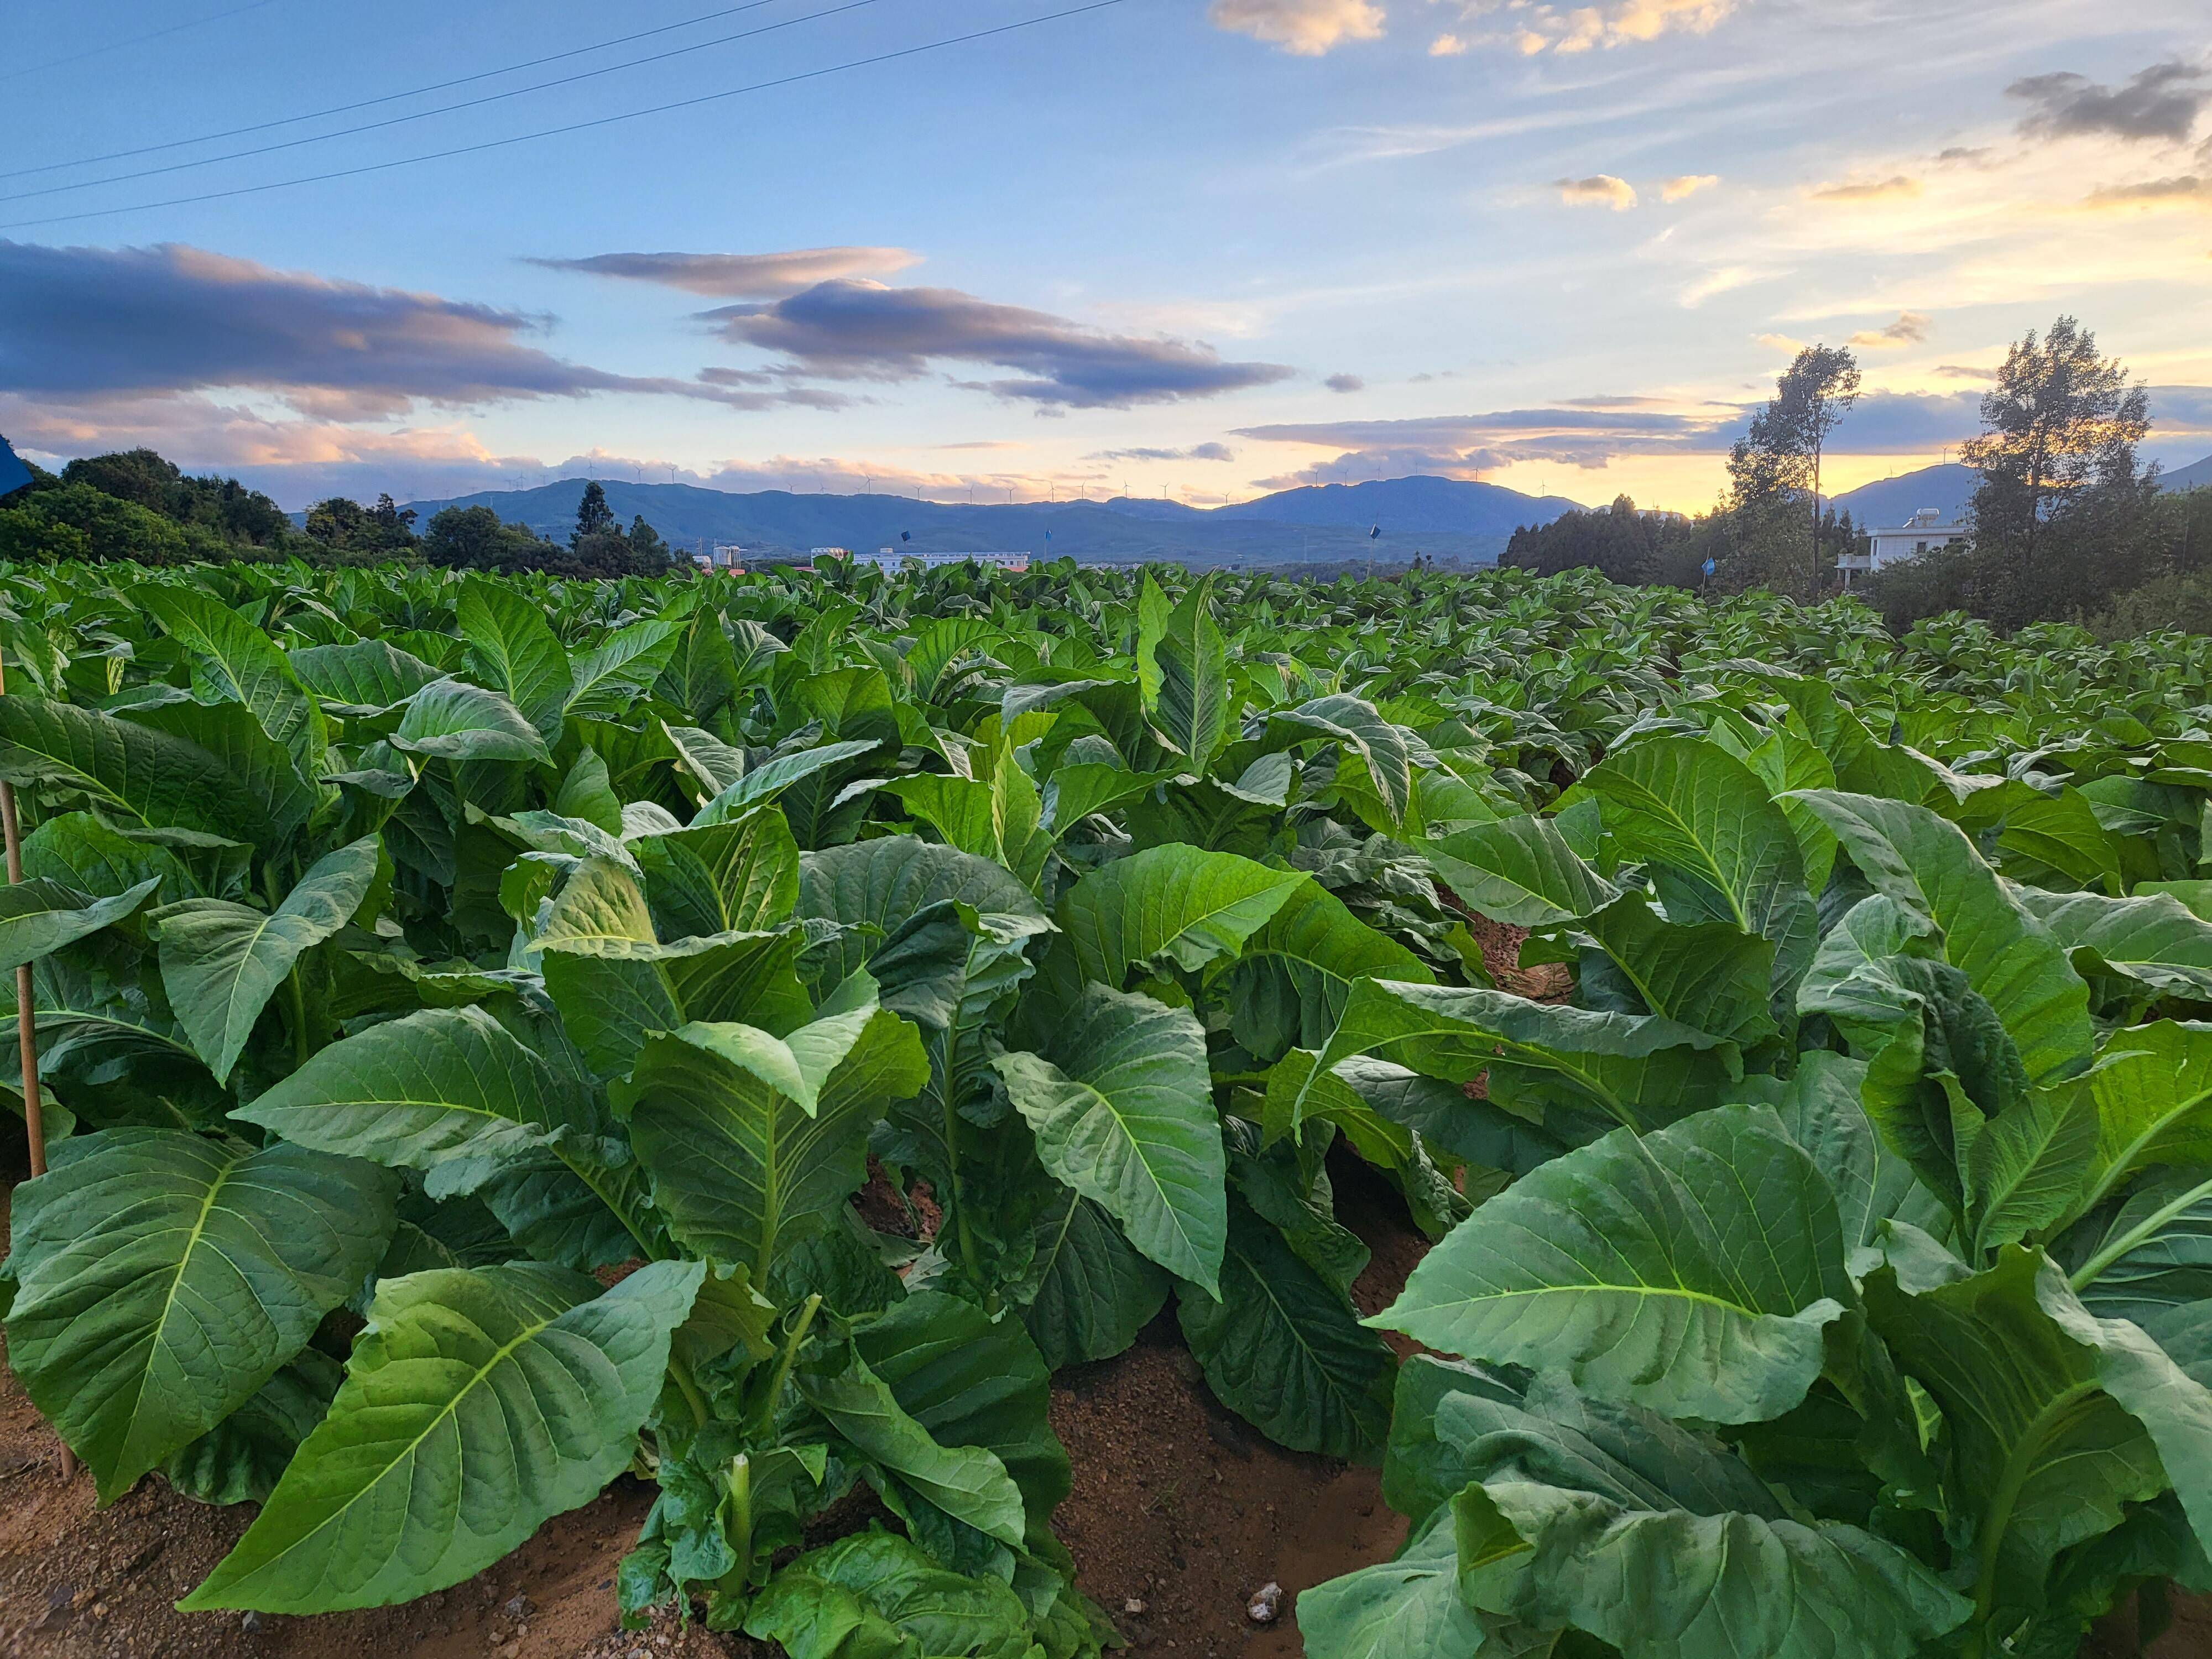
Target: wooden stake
27,1020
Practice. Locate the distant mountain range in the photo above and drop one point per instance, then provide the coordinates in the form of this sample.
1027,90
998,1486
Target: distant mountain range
1446,517
1442,517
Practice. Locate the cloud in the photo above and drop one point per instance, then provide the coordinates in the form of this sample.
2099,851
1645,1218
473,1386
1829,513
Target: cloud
1896,188
1965,372
1447,45
1912,328
1587,434
87,324
1344,383
1685,185
1784,342
1599,190
2160,103
742,276
1307,27
856,330
1577,28
1195,453
2186,190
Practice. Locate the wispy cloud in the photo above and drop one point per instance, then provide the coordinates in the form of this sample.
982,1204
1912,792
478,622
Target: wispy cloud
1344,383
1448,46
1570,29
1912,328
2160,103
1599,189
1685,185
1307,27
742,276
2188,191
1895,188
1195,453
853,330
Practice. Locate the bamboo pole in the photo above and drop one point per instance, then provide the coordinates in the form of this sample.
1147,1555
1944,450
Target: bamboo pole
27,1020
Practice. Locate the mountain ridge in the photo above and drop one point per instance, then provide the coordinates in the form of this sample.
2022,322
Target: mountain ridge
1442,517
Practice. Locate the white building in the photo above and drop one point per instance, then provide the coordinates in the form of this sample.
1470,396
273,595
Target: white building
1926,531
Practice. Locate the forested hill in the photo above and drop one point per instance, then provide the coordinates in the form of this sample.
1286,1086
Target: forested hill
1444,518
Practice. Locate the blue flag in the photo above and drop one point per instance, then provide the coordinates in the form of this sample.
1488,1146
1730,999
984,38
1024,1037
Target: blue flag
1709,566
14,475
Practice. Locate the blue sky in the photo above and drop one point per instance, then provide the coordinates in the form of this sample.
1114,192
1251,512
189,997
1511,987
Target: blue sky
1197,247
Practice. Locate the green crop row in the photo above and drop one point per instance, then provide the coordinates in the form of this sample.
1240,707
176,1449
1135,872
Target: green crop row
468,1008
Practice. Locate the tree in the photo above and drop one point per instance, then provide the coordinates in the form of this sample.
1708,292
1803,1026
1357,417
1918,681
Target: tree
1778,459
473,538
2062,421
594,516
346,527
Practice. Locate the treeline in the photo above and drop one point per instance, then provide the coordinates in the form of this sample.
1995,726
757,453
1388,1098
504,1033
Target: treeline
136,505
2067,524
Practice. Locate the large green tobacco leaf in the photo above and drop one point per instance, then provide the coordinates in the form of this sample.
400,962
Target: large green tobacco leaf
1281,1347
2045,1456
1610,1061
874,888
1395,1609
515,652
1570,1512
610,1003
1186,676
2154,1256
969,1483
452,720
1124,1112
272,799
369,675
1358,725
241,1459
1712,976
1670,1584
1719,848
737,877
607,680
753,1142
1000,817
599,910
39,917
1094,1290
446,1087
761,784
972,1380
1169,905
1291,983
2153,940
163,1277
1519,871
77,850
875,1594
478,1405
221,963
125,767
1928,865
1694,1271
234,661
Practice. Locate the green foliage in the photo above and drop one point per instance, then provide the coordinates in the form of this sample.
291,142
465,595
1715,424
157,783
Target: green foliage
1824,1267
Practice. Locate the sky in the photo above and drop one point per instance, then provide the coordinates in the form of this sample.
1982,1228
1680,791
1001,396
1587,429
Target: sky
1026,249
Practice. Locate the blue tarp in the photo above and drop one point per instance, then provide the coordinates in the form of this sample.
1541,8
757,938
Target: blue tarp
14,475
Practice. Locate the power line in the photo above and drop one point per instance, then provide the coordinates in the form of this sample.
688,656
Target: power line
443,109
134,41
576,126
389,97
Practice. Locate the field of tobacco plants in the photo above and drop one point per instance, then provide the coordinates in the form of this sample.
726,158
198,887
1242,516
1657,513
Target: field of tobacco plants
467,1011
